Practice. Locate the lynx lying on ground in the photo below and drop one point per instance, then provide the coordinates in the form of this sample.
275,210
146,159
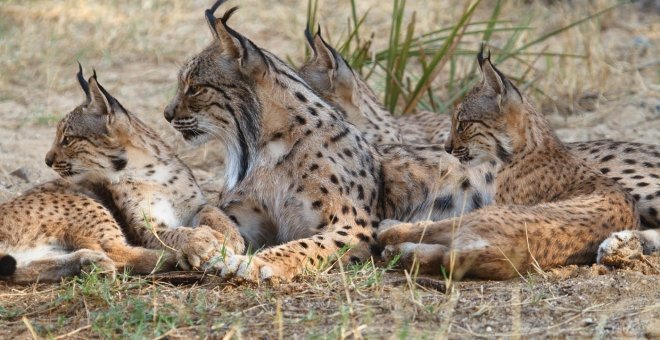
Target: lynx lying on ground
635,166
115,158
551,208
297,172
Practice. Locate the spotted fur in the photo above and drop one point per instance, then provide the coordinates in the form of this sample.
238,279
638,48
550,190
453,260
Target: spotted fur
54,231
635,166
119,177
551,208
301,181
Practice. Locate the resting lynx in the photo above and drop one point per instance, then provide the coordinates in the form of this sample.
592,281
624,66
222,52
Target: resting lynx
300,179
103,147
635,166
550,206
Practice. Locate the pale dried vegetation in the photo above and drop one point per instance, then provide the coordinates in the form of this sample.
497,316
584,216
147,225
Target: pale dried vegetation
598,67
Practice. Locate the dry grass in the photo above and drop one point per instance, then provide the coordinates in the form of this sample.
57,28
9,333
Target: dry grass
136,46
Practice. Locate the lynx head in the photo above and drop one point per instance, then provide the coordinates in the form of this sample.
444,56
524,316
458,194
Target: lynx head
237,93
90,139
483,123
329,74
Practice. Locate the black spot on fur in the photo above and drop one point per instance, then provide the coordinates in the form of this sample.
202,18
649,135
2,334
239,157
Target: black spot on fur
443,203
119,163
301,97
477,201
607,158
465,184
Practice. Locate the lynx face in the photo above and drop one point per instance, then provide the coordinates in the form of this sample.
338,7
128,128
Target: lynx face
212,100
88,139
480,124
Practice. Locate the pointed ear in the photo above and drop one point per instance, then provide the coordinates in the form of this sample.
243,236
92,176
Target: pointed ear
235,46
98,103
492,79
102,103
324,54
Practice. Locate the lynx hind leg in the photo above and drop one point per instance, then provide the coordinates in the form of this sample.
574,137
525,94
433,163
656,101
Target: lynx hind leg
226,230
427,258
141,260
55,267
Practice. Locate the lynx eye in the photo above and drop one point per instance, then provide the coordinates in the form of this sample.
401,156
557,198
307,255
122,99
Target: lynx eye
66,140
461,127
194,90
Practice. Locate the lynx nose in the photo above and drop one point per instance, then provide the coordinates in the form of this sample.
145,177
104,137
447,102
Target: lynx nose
49,159
448,147
169,114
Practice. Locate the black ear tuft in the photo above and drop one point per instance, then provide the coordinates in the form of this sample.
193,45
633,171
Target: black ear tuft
231,31
209,13
480,56
7,265
82,81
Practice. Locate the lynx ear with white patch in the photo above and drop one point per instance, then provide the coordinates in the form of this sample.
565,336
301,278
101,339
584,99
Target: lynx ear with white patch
235,46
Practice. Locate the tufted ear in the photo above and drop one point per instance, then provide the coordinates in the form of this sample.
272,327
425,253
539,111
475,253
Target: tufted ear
492,79
324,55
233,45
83,83
330,69
98,103
102,103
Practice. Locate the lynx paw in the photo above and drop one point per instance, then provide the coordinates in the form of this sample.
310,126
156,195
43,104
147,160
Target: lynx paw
620,246
253,269
200,246
95,260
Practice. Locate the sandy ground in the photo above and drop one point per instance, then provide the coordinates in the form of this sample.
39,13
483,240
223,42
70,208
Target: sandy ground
613,94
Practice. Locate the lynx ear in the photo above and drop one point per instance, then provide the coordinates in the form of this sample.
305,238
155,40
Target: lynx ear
324,54
233,45
98,103
491,77
101,102
339,72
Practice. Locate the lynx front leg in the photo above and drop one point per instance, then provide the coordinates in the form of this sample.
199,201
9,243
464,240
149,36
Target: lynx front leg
225,229
194,247
292,258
